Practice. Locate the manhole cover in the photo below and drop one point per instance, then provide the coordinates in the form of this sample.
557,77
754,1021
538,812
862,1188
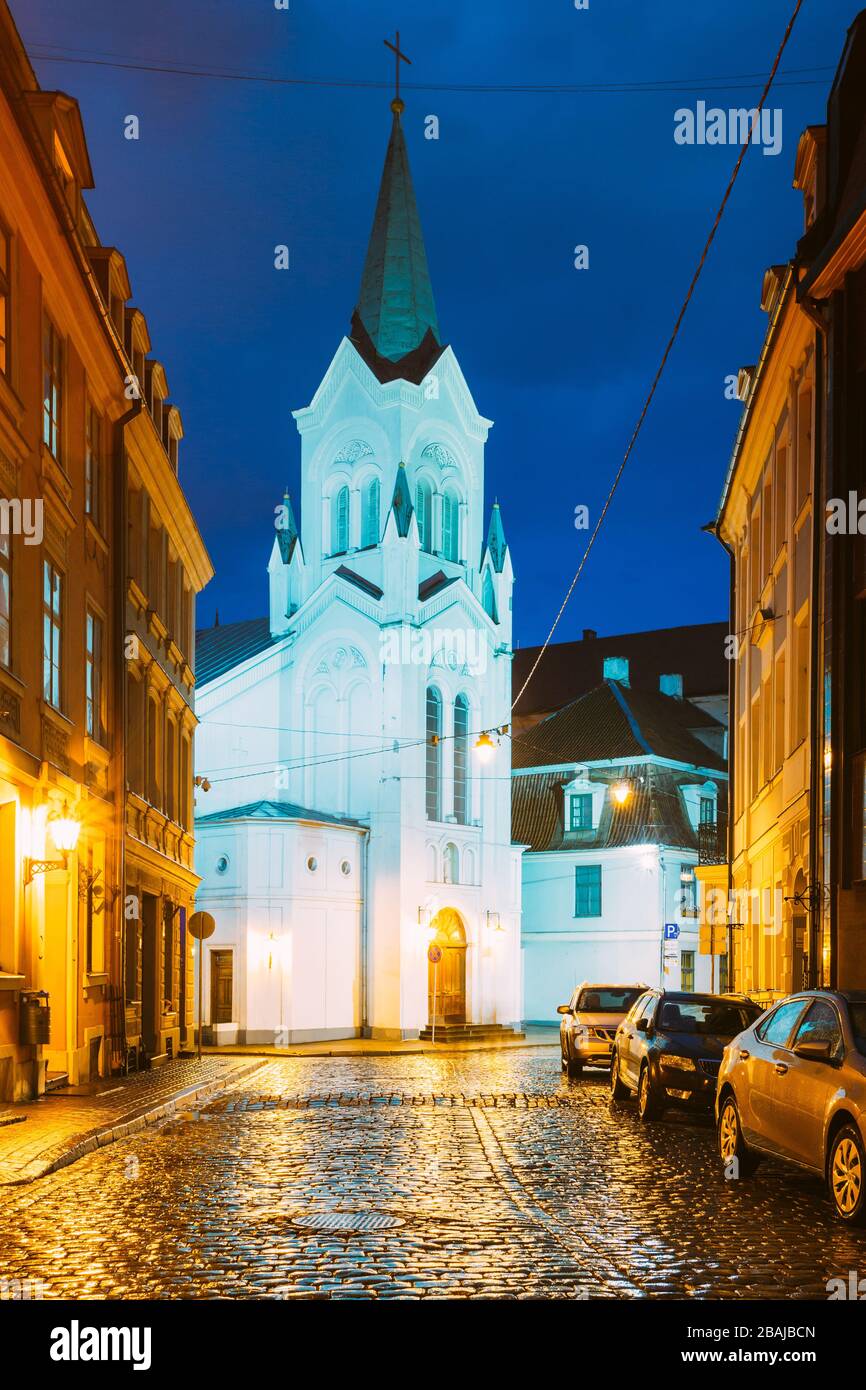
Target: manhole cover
347,1221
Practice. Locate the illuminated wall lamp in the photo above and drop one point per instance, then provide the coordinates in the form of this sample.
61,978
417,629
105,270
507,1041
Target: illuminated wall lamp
65,830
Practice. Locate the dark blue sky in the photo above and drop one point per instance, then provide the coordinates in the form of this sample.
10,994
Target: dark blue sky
560,359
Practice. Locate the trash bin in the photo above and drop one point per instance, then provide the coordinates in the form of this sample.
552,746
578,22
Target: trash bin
34,1021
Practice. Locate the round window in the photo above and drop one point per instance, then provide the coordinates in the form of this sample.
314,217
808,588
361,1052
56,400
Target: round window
345,868
222,864
312,863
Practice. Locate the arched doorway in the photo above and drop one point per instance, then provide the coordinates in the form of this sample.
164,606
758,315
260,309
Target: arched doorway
449,978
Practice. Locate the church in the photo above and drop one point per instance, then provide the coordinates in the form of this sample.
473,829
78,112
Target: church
354,844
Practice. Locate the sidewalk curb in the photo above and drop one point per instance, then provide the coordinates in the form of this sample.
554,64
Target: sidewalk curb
131,1123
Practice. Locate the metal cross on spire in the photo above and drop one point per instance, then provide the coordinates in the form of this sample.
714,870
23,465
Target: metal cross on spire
399,57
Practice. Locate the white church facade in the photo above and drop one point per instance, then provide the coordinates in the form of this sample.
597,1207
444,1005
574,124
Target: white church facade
350,821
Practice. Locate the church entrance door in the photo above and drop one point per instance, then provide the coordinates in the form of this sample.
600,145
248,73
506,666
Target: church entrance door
450,981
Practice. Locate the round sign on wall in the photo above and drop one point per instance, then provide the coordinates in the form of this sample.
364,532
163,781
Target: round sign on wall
434,954
201,925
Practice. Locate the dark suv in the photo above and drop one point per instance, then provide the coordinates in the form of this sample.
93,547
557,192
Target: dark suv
669,1048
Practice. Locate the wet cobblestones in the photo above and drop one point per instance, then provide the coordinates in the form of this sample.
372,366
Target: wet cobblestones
510,1182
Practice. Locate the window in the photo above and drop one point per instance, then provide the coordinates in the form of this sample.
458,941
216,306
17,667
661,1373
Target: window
424,511
821,1024
580,811
370,514
587,890
687,971
488,597
170,770
52,634
461,760
688,891
185,789
168,957
152,754
52,387
93,669
708,810
804,446
5,299
340,521
781,496
450,865
93,465
5,598
450,527
433,767
777,1029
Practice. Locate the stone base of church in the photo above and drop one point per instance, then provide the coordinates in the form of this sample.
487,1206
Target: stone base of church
393,1034
275,1037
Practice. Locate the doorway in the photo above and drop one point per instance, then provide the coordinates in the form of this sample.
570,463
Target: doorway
221,983
150,1005
446,982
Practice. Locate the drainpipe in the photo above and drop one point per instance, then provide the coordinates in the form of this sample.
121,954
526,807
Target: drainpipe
713,530
816,313
365,922
121,550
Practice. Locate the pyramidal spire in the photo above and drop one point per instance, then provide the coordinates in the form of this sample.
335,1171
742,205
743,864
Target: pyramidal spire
287,531
496,544
401,503
395,304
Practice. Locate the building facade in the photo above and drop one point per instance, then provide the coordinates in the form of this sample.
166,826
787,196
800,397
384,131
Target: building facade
616,799
359,700
789,519
69,405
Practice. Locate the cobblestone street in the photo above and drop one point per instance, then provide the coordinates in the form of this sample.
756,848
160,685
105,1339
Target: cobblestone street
485,1175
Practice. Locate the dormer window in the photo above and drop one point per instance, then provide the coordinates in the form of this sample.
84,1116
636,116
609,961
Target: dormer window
580,811
708,810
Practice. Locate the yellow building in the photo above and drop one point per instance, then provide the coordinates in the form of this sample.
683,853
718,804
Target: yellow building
80,458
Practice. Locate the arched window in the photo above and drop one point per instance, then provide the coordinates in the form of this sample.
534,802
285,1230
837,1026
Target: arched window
461,760
370,513
434,754
424,512
340,521
488,597
450,864
450,526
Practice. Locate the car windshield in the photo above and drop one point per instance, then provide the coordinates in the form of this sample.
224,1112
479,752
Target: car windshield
858,1026
706,1016
606,999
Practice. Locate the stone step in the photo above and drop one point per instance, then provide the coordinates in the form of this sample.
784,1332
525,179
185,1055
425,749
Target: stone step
55,1080
462,1032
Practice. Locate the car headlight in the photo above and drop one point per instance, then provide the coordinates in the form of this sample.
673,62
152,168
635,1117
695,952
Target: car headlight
679,1063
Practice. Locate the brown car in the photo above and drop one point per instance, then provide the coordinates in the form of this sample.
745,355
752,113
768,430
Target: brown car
589,1023
793,1086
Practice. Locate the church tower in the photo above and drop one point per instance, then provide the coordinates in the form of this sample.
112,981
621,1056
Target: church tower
390,618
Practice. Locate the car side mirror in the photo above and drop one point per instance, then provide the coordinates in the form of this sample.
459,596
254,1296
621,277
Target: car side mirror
642,1026
814,1050
564,1009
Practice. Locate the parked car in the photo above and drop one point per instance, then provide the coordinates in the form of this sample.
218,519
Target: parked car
793,1086
589,1023
669,1048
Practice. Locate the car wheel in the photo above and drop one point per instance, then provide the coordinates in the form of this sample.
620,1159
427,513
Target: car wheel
563,1058
732,1145
649,1106
846,1172
618,1088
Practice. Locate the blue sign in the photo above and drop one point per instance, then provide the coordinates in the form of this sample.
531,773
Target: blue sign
672,931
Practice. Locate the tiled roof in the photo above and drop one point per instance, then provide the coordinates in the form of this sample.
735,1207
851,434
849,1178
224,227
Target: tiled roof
274,810
615,722
432,585
218,649
655,813
568,669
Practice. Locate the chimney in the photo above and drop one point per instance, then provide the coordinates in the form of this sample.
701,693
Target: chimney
616,669
671,685
589,634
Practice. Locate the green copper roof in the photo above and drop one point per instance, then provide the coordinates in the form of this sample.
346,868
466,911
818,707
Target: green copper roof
496,543
396,300
287,534
402,502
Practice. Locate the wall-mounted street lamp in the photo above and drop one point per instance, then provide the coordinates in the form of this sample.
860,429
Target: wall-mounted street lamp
65,829
621,793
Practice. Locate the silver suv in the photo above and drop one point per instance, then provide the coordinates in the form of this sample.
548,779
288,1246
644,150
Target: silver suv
589,1023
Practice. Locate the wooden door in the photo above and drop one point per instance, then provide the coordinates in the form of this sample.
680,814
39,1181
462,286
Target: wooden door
446,983
221,986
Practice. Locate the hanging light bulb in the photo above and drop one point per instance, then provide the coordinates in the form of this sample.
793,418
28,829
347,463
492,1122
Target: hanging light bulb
484,747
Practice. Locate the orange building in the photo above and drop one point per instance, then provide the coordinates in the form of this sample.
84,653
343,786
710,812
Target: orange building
87,458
